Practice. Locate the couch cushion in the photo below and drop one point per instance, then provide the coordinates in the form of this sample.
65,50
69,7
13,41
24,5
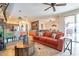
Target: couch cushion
53,35
43,39
52,41
47,34
59,34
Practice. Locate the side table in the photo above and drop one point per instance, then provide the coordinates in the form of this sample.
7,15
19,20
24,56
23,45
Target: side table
68,45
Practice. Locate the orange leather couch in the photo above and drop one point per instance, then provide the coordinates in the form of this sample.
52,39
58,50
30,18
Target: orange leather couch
49,40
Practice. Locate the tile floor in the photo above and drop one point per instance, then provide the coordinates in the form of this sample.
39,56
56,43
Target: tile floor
44,51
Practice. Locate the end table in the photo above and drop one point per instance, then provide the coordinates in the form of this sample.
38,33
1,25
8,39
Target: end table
68,45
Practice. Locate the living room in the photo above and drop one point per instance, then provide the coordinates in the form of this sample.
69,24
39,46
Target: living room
46,30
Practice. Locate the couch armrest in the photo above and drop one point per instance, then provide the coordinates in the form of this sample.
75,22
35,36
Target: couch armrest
35,37
60,44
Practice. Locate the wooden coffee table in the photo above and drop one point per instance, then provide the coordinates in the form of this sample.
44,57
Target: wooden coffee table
25,50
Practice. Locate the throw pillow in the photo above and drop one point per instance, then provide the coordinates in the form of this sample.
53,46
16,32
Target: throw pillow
53,35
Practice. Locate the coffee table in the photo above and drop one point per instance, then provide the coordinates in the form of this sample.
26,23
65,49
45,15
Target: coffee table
25,49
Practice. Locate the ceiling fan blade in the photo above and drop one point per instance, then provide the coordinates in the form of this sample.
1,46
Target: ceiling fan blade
47,9
54,9
62,4
47,3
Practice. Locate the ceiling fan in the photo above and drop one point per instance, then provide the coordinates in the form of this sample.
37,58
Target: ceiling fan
52,5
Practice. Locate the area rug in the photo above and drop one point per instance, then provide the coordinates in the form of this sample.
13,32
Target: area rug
42,50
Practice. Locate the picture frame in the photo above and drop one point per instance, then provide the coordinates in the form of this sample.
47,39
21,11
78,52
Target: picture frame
35,25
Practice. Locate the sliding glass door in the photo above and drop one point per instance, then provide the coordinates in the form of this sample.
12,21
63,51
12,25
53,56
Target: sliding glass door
77,27
72,27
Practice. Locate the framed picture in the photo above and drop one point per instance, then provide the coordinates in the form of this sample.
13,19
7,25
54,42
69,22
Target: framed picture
35,25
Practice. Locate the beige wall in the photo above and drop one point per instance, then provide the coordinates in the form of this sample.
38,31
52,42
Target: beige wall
61,23
47,24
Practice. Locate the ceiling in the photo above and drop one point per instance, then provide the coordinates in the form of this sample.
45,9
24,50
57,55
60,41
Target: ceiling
37,9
